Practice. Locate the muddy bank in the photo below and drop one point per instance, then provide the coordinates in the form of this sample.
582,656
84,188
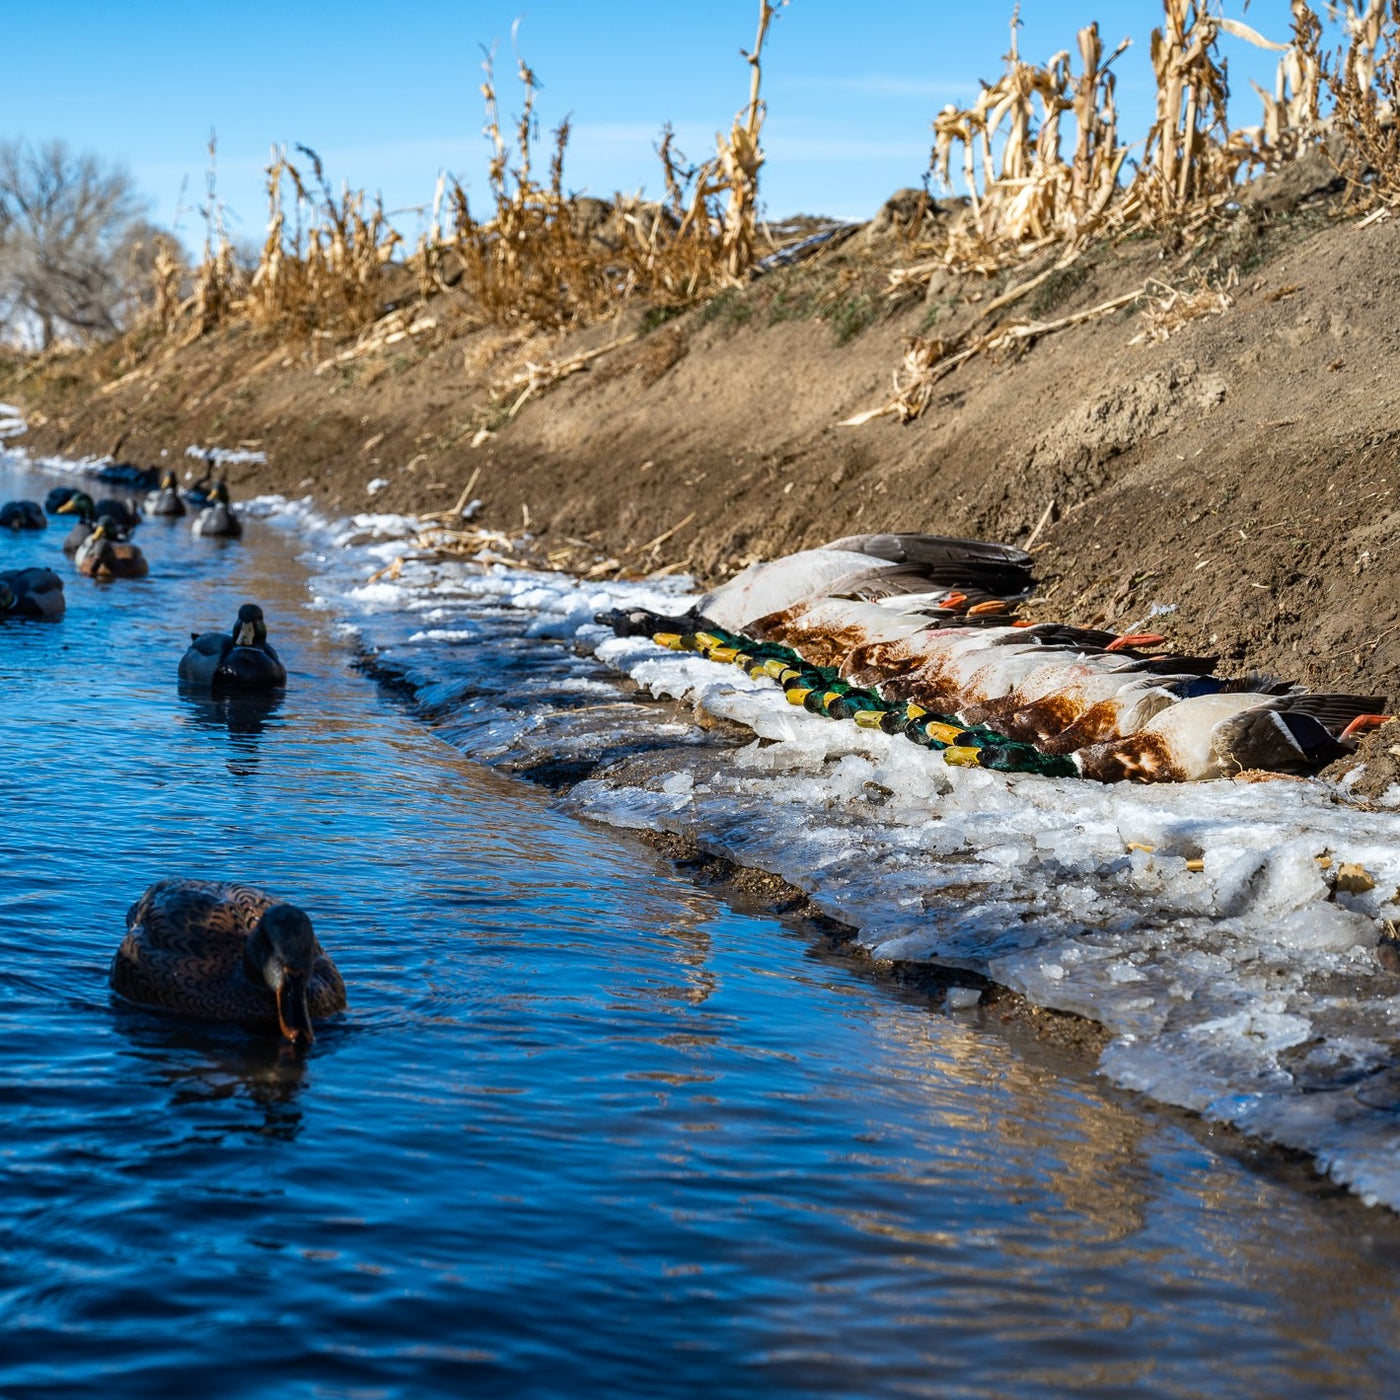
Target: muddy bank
1235,482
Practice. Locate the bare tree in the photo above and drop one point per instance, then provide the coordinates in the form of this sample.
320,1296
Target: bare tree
68,224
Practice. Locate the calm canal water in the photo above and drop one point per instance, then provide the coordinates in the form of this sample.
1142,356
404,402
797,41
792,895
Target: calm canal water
587,1130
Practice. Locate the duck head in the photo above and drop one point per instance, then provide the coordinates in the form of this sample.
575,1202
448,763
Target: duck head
79,503
281,955
168,481
219,494
250,630
7,598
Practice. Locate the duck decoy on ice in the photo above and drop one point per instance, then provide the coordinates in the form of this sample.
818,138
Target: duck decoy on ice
106,555
165,499
217,518
23,515
226,952
1212,736
53,502
36,593
241,659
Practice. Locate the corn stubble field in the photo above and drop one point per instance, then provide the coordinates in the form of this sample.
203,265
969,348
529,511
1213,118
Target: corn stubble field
1046,172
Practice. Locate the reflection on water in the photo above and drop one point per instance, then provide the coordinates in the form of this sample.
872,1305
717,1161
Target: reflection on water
586,1130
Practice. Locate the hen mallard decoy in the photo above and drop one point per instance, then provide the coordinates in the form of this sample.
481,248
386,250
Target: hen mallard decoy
36,593
240,659
1211,736
165,499
106,555
217,518
226,952
23,515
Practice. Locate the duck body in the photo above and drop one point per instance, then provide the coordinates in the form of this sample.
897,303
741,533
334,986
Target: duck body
23,515
1210,736
31,593
165,499
216,951
217,518
104,554
867,567
120,513
241,659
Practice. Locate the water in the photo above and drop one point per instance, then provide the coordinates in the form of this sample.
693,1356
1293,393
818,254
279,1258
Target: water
587,1129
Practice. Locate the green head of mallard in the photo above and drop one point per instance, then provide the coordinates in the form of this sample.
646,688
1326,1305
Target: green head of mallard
250,630
280,954
219,494
79,503
167,480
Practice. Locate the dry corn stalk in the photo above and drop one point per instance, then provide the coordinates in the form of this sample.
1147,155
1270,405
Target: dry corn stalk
1169,308
1365,86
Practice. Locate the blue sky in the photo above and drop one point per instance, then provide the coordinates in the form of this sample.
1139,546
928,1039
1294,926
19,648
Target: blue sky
388,93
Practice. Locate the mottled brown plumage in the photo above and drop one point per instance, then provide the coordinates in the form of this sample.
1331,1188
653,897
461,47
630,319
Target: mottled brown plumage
187,951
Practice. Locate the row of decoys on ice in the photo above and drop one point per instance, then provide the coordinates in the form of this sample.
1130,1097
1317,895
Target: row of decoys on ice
100,541
918,635
203,949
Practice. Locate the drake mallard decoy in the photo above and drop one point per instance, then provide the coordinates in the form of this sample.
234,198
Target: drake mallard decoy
78,503
217,518
36,593
1211,736
226,952
106,555
165,499
120,513
54,501
241,659
23,515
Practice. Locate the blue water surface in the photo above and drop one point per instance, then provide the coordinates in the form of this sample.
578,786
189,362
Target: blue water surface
586,1130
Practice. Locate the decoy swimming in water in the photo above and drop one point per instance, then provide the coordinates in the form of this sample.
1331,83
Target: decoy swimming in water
81,505
1211,736
120,513
36,593
226,952
242,659
23,515
165,499
105,555
217,518
53,502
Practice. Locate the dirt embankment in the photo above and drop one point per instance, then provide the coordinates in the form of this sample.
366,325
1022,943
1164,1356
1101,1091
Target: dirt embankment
1238,483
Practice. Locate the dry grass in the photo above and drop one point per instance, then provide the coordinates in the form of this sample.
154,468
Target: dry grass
1166,308
1364,82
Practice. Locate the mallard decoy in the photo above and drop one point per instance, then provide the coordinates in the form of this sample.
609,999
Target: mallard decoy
36,593
241,659
53,502
120,513
165,499
106,555
23,515
83,506
226,952
217,518
1211,736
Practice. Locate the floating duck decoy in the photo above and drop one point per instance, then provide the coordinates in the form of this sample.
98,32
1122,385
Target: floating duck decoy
36,593
53,502
79,503
242,659
129,475
120,513
217,518
106,555
23,515
226,952
1211,736
165,499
